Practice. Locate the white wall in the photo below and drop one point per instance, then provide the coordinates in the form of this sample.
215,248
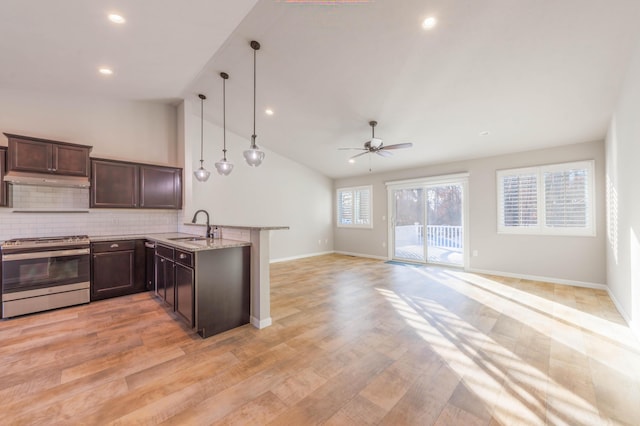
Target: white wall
623,198
280,192
135,131
572,259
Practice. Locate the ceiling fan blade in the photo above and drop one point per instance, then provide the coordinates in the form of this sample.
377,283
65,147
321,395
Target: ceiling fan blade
358,155
398,146
357,149
382,153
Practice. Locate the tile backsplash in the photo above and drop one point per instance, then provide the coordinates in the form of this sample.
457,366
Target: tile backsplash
31,215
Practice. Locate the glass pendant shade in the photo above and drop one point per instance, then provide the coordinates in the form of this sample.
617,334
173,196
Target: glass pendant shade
224,167
202,174
253,155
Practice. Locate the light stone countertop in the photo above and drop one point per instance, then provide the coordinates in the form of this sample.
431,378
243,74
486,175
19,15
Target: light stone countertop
251,228
168,239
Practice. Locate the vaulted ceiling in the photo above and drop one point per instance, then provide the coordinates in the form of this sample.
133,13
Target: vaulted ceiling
532,74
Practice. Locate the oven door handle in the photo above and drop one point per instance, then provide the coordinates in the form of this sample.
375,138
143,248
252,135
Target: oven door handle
44,254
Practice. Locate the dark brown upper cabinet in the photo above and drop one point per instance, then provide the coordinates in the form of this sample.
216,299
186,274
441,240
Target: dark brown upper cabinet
121,184
5,199
27,154
160,187
114,184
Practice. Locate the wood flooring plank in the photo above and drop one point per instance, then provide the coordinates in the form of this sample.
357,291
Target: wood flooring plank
355,341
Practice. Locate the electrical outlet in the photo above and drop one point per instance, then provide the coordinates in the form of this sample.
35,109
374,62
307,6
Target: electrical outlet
384,218
319,242
475,253
384,244
326,241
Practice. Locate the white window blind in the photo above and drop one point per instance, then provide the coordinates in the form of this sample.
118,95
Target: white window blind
566,198
520,200
354,207
555,199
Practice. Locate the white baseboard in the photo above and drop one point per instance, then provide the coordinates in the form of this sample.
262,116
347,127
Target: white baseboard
260,323
618,306
561,281
369,256
302,256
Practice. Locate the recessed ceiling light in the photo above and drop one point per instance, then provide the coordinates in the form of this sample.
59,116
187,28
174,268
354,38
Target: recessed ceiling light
351,160
268,111
484,133
429,23
105,71
116,19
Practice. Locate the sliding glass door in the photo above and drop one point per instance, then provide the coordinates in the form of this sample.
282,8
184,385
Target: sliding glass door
427,221
408,224
444,225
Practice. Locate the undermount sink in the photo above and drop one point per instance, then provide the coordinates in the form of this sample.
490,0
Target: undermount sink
189,239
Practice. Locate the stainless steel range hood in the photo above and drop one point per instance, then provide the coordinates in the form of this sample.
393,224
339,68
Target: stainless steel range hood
42,179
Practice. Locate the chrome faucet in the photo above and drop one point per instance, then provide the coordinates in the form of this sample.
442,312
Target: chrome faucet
209,233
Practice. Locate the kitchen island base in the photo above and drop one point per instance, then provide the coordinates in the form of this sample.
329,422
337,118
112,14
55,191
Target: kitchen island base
222,290
204,282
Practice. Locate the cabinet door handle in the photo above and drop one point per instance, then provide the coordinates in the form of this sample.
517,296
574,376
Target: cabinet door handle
114,245
183,256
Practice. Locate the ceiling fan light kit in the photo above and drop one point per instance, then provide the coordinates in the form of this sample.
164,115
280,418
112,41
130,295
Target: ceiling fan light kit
253,156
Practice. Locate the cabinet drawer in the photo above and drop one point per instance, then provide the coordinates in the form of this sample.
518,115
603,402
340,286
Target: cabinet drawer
107,246
184,257
164,251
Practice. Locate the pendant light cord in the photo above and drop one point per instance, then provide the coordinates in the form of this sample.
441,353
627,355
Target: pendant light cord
253,139
201,129
224,118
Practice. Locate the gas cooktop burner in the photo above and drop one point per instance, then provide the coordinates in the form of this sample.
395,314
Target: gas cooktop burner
47,241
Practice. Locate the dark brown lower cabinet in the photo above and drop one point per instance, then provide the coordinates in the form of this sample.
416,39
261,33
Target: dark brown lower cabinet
117,268
164,267
184,293
174,281
222,289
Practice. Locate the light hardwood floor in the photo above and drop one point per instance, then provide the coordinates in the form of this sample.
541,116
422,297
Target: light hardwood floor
354,341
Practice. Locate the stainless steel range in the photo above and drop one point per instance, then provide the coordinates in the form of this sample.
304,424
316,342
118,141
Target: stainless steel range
39,274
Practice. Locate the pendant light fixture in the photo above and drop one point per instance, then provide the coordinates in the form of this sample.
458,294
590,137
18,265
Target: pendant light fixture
253,155
202,174
223,166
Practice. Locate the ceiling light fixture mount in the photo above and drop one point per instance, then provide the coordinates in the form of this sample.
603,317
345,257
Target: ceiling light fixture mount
429,23
223,166
116,19
253,155
202,174
105,71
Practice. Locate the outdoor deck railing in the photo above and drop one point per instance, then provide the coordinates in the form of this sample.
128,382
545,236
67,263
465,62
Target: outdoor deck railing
444,236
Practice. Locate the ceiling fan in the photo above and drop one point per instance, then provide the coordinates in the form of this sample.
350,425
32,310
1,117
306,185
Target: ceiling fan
376,146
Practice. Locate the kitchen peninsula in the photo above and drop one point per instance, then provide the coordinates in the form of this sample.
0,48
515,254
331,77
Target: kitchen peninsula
234,269
259,237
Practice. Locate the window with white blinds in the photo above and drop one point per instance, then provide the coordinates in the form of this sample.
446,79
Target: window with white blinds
555,199
354,207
